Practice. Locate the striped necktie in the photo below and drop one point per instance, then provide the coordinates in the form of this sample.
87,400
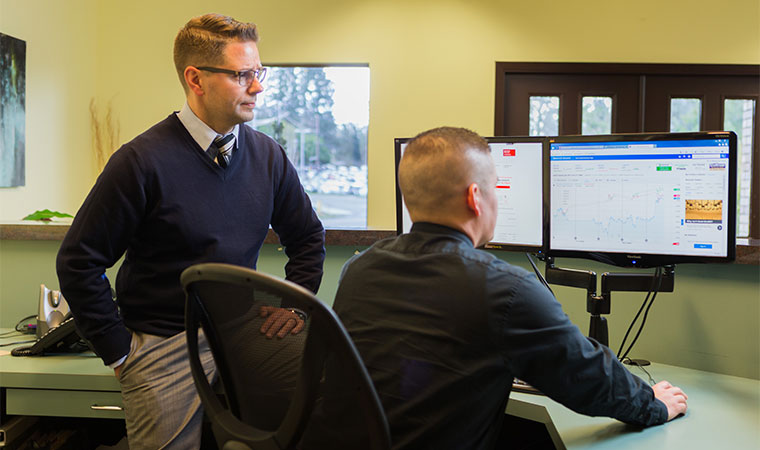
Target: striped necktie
224,146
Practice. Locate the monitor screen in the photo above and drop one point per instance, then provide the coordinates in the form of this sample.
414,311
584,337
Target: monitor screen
519,190
643,199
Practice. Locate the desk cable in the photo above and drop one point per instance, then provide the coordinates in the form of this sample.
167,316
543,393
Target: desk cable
14,333
9,333
538,274
16,342
631,362
20,328
656,282
26,328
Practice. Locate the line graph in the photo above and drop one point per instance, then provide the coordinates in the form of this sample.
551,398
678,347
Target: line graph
613,213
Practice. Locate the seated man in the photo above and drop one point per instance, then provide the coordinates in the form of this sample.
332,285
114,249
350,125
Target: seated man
443,327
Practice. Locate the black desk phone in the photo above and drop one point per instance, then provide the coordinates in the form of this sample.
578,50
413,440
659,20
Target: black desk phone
61,339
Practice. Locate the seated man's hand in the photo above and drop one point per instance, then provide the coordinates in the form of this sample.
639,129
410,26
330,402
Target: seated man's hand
673,398
280,322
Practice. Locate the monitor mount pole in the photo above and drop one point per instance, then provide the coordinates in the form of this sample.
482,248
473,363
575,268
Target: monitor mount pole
595,305
598,306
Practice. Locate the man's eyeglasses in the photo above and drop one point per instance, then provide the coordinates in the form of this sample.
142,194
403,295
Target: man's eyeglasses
245,78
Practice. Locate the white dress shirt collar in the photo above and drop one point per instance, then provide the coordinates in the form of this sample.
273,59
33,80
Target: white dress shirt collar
201,133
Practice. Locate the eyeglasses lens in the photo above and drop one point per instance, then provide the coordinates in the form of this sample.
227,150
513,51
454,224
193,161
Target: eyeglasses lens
247,77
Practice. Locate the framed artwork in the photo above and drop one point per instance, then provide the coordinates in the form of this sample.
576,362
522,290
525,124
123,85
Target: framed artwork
12,111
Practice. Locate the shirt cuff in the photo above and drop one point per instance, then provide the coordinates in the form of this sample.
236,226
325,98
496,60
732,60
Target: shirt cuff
118,362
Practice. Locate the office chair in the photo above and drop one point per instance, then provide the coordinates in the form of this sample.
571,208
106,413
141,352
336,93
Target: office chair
276,390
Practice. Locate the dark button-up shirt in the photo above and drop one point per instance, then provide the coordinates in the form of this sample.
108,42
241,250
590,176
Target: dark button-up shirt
443,328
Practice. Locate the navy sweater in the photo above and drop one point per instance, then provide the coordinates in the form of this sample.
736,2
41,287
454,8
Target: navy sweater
167,205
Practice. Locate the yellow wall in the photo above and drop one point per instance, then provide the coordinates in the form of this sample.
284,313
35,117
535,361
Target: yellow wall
60,81
431,62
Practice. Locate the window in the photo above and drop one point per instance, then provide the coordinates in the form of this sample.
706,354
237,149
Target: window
597,115
544,116
320,115
685,114
739,115
635,98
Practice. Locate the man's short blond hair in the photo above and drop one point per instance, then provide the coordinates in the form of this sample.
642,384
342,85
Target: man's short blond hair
202,40
438,166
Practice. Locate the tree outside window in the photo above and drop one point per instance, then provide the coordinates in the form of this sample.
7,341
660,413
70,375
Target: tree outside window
320,116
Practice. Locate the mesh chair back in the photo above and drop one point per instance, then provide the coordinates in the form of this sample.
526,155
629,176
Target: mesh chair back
271,386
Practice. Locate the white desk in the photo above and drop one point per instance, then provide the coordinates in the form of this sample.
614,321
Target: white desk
76,385
724,413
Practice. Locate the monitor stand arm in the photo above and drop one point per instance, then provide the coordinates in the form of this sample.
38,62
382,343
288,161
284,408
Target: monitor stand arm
595,305
599,305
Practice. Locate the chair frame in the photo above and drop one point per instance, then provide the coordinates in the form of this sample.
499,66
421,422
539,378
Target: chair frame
326,332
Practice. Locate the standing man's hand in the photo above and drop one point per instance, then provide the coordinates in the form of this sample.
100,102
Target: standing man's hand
280,321
673,398
117,370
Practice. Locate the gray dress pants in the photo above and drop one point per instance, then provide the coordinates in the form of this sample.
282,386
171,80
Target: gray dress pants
162,407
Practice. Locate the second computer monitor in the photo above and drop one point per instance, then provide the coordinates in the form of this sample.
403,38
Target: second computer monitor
519,190
643,199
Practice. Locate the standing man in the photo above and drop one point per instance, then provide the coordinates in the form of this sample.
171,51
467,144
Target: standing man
443,327
197,187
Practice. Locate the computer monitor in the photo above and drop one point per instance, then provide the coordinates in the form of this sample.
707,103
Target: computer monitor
520,187
643,200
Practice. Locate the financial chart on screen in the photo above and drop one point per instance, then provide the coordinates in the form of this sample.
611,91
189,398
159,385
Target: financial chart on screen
519,191
669,196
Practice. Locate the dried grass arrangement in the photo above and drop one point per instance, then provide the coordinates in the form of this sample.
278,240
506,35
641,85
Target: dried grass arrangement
105,133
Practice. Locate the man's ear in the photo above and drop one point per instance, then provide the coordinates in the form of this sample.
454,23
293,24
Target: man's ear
473,199
193,80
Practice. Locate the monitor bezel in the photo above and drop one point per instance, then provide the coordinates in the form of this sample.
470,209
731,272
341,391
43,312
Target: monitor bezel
504,246
397,142
646,260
